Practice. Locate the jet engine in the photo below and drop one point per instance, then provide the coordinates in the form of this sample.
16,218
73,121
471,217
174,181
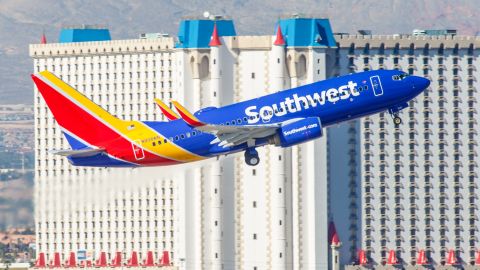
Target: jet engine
297,132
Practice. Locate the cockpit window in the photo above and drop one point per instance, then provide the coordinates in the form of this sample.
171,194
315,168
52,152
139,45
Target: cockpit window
400,77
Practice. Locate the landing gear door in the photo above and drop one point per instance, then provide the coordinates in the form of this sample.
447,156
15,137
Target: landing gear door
376,85
137,150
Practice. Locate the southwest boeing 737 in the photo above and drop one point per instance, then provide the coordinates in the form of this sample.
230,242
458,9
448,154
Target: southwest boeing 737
97,138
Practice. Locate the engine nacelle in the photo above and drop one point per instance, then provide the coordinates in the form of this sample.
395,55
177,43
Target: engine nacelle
298,132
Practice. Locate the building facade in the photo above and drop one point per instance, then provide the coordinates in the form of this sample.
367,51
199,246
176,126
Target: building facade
411,188
218,214
407,189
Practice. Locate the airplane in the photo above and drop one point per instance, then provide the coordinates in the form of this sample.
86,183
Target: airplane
99,139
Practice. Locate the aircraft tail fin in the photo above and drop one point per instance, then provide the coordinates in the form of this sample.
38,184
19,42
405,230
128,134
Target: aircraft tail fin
188,117
84,123
171,115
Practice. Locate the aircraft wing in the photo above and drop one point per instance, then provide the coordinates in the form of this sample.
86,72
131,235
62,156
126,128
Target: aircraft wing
238,134
227,135
77,153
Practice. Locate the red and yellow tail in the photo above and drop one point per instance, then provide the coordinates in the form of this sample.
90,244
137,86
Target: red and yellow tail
87,125
75,113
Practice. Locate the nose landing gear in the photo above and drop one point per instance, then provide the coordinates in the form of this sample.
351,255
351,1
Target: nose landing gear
394,112
397,120
251,157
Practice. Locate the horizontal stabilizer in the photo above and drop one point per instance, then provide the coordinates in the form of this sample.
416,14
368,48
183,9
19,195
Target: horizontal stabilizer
171,115
78,153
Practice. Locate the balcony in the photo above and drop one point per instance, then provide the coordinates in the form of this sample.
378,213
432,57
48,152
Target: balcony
427,109
443,196
413,174
399,152
457,98
444,206
443,185
384,174
413,141
398,141
399,184
443,141
440,66
473,184
458,78
383,141
383,185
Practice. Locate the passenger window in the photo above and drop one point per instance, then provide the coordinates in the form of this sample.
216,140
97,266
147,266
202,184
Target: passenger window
153,143
159,142
176,138
233,122
188,134
164,140
182,136
366,87
194,133
245,119
239,121
171,138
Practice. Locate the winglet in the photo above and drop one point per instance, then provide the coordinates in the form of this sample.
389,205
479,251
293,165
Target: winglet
171,115
189,118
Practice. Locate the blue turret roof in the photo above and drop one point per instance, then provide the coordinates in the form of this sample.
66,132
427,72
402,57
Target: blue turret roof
83,34
304,32
197,33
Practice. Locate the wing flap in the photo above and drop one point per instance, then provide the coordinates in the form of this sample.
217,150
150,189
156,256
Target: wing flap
237,134
227,135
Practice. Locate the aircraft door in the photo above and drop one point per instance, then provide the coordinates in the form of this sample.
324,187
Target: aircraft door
376,85
137,150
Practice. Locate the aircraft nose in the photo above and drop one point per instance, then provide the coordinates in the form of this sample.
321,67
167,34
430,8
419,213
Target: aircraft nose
421,83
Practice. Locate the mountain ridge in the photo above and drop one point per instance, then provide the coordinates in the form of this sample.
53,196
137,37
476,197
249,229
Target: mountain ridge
23,21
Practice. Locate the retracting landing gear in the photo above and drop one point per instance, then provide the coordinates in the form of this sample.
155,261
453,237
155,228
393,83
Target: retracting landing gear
396,119
251,157
394,112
